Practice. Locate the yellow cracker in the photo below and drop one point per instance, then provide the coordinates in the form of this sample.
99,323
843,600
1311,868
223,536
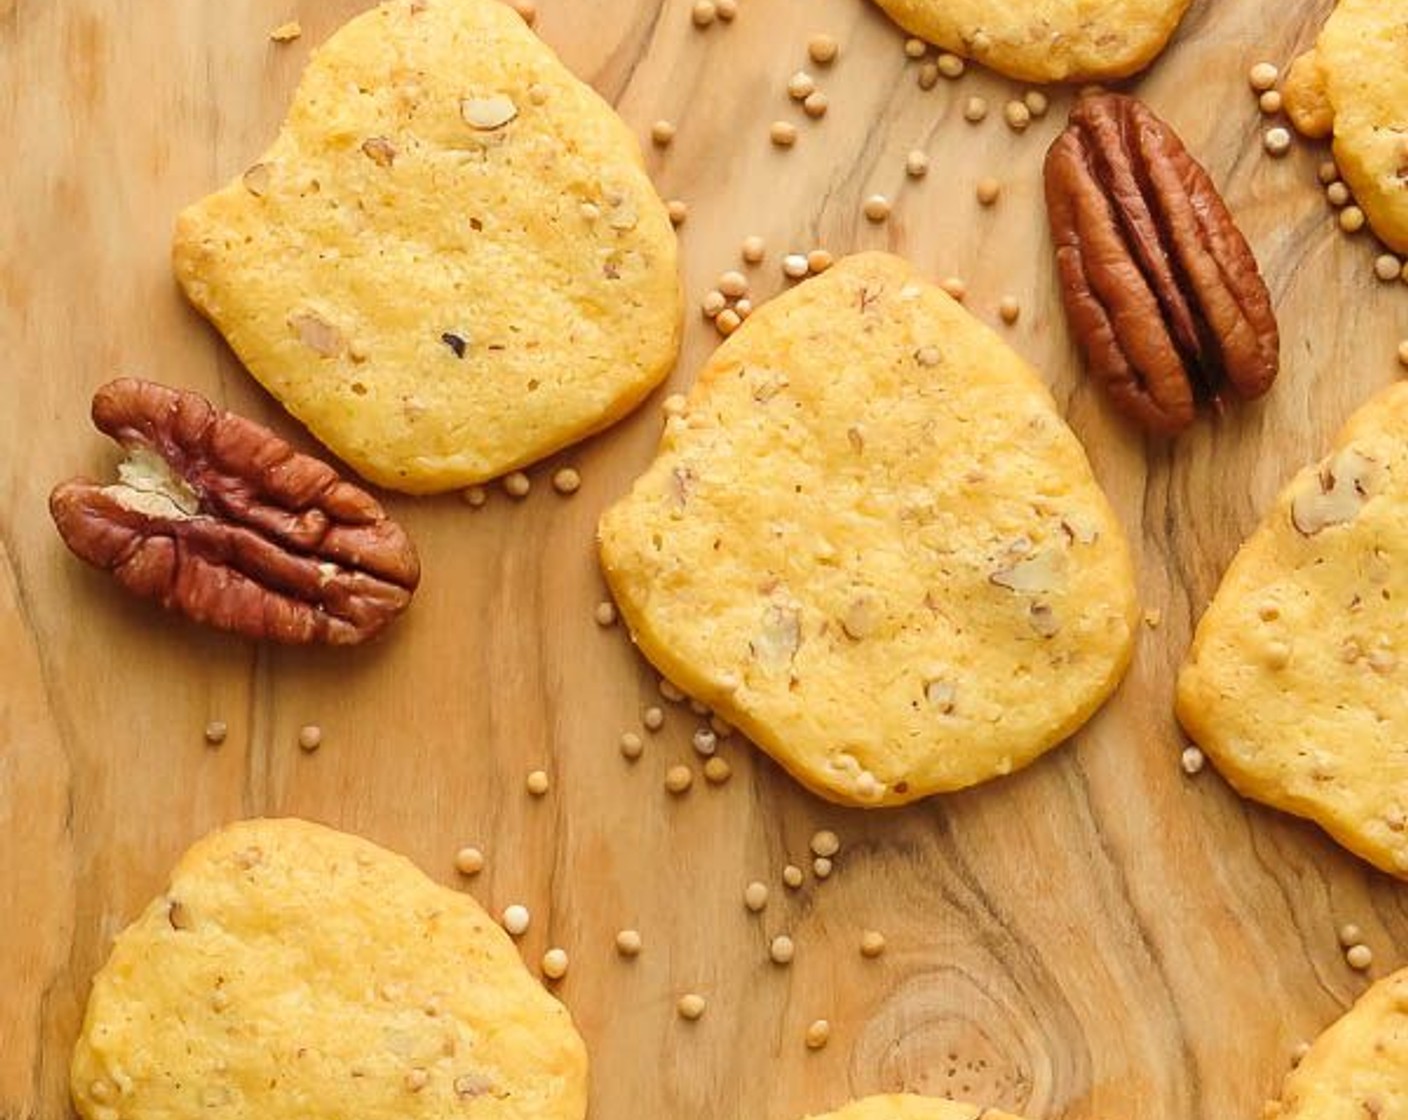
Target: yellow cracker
1293,685
1046,40
1358,1069
451,262
872,543
906,1106
291,972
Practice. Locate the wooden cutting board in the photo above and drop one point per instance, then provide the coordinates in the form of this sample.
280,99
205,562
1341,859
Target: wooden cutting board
1099,936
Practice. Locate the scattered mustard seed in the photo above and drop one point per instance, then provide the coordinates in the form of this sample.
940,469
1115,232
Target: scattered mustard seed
705,742
669,691
822,867
816,104
975,109
691,1006
469,861
566,481
516,919
555,964
1193,760
605,613
819,260
677,210
1359,957
653,718
792,876
823,49
1327,172
916,164
1351,219
876,208
743,307
800,86
825,843
703,13
733,284
1017,115
1387,267
872,943
753,249
755,896
955,288
1403,353
915,48
310,736
678,779
1277,141
713,302
783,133
661,133
1263,76
1269,102
818,1034
928,76
782,950
951,65
216,731
538,782
1036,102
628,943
988,190
1009,310
794,266
727,9
516,484
632,746
717,770
728,320
474,497
1349,935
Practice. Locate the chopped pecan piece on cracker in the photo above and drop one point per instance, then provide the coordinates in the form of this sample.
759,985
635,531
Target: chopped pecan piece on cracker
1160,287
218,518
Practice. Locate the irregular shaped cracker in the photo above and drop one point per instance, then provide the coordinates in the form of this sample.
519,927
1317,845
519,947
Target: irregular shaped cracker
451,262
872,543
1358,1069
1355,82
906,1106
1294,685
291,972
1046,40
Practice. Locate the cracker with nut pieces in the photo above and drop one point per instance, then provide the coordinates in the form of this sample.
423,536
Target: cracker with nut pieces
1354,83
1046,40
907,1106
1293,686
451,262
871,543
1358,1068
291,971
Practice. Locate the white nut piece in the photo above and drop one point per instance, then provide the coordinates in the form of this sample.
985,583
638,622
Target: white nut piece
1338,492
488,113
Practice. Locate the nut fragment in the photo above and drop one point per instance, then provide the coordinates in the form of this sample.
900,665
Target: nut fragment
488,113
216,517
1160,287
1340,489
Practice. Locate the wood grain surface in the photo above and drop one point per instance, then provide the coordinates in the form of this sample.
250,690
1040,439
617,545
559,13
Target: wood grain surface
1099,936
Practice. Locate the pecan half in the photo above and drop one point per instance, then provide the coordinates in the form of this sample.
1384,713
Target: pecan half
1160,288
216,517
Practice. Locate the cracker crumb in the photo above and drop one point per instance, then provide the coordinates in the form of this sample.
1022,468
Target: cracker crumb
287,32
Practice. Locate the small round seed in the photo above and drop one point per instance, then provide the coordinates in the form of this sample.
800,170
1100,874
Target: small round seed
951,65
975,109
755,896
703,13
1327,172
792,876
876,208
705,742
928,75
1270,102
691,1006
955,288
728,320
1193,760
516,919
1017,115
825,843
1351,219
816,104
753,249
1387,267
628,943
516,484
794,266
555,964
669,691
632,746
782,950
1403,353
872,943
722,728
727,9
717,770
567,480
661,133
474,497
216,731
823,49
713,302
782,133
1036,102
605,614
1009,309
988,191
800,86
818,1034
310,736
743,308
678,779
915,48
822,867
1349,935
1359,957
677,210
537,782
916,164
469,861
653,718
1277,141
733,284
1337,194
819,260
1263,76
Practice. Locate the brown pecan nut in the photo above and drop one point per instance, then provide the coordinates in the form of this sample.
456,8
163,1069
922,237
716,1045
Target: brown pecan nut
216,517
1160,287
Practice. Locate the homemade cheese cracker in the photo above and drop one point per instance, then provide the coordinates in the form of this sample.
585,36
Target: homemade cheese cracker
291,972
871,543
1046,40
906,1106
451,262
1294,684
1355,83
1357,1069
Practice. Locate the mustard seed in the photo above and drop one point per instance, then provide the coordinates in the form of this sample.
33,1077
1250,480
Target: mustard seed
823,49
755,896
678,779
537,782
975,109
825,843
1269,102
915,48
1349,935
661,133
951,65
794,266
310,736
1337,194
474,497
818,1034
555,964
705,742
819,260
469,861
782,950
713,302
566,481
605,614
792,876
928,75
872,943
727,10
1193,760
703,13
816,104
1036,102
1009,310
1277,141
822,867
1359,957
753,249
632,746
691,1006
728,320
733,284
216,731
988,191
516,484
1263,76
955,288
653,718
677,210
1387,267
516,919
1327,172
628,943
670,691
800,86
1351,219
916,164
782,133
876,208
717,770
1017,115
1403,353
743,307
